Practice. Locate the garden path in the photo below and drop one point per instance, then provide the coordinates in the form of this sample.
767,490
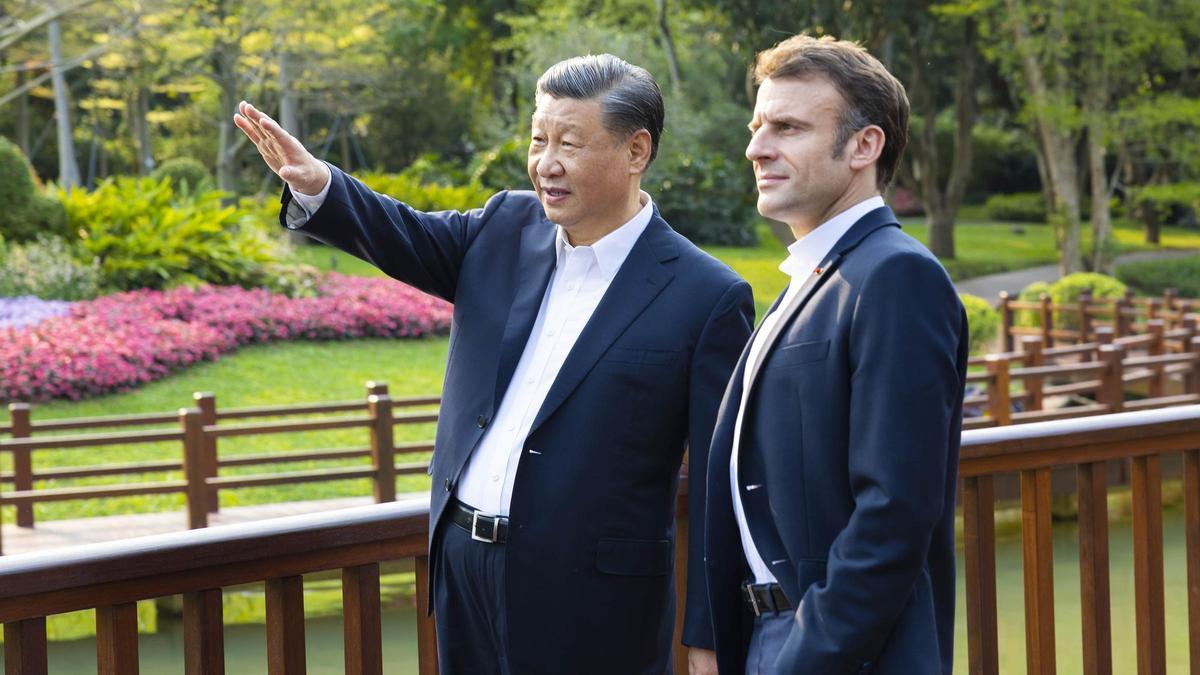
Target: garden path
989,287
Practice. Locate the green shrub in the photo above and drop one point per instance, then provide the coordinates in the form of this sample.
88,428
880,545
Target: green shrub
705,197
26,212
503,167
1066,291
1152,277
427,197
184,174
48,268
1029,318
1019,207
147,236
984,323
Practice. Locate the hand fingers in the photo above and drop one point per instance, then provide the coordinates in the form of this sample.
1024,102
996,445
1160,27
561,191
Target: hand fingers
285,142
247,128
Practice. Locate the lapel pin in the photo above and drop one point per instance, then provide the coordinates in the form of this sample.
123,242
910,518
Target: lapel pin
817,271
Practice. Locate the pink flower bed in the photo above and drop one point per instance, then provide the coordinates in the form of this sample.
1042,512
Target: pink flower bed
119,341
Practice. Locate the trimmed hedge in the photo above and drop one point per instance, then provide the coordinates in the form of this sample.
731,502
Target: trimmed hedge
1152,277
984,322
1019,207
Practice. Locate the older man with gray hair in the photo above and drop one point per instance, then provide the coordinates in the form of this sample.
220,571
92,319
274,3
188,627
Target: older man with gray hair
590,346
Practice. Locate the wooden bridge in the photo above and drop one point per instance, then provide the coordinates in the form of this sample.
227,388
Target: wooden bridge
112,577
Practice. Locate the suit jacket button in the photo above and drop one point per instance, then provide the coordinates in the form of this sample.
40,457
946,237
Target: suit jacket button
446,485
481,421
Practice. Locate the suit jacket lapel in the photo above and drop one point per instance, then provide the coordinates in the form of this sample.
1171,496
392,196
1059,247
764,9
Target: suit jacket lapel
535,264
641,278
881,217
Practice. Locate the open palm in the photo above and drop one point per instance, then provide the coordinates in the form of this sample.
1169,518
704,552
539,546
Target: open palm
281,151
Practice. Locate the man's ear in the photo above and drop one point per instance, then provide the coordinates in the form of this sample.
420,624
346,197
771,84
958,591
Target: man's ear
866,145
639,146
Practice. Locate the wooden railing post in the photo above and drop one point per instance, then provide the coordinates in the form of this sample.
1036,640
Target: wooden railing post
117,639
1094,596
25,647
203,633
1146,484
1038,546
1112,385
383,447
1122,326
427,656
979,550
1192,379
377,388
22,460
193,467
999,402
285,626
1104,335
207,403
362,620
1085,315
1191,500
1046,312
1169,297
1006,321
1031,345
1183,311
1152,308
1157,347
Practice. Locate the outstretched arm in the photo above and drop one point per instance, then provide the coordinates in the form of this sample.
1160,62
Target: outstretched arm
286,156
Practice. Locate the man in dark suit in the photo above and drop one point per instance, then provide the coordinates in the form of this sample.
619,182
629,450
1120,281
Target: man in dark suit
590,343
829,533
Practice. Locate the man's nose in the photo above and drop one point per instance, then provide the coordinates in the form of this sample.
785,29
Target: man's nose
548,164
759,148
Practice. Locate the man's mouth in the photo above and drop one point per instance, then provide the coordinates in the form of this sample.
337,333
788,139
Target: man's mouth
555,195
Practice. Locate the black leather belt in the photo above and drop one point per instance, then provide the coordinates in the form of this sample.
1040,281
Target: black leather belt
764,598
481,526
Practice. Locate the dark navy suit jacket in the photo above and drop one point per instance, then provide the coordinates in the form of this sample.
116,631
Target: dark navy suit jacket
590,551
850,440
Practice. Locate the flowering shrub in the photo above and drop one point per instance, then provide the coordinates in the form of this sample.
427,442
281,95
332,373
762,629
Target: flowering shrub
119,341
47,267
28,310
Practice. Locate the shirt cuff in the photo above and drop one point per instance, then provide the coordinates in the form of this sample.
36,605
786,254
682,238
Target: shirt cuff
308,205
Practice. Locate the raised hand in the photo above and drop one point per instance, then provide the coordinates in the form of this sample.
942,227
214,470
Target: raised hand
281,151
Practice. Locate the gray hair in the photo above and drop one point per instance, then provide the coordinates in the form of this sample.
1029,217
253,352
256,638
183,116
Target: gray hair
629,97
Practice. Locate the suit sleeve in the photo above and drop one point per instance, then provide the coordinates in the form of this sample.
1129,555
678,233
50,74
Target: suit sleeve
421,249
717,351
905,391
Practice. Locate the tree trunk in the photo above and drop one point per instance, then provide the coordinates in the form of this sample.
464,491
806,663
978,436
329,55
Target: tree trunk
1101,218
138,108
68,168
22,121
1058,146
664,31
289,108
225,73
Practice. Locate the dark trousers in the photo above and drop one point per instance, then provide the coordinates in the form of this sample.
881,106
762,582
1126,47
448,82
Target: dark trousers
469,605
770,632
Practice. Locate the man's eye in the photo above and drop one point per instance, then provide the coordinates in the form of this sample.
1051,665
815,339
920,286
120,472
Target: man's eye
537,140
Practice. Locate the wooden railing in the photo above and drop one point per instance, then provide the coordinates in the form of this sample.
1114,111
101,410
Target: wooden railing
113,577
1088,445
1077,322
199,431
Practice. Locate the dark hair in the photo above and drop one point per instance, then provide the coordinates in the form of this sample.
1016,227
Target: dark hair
629,97
872,95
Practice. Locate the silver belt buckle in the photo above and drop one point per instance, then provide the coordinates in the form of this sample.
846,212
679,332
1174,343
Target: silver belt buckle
749,589
475,528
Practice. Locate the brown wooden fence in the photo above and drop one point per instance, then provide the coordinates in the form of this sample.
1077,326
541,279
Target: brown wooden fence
199,431
1079,321
112,577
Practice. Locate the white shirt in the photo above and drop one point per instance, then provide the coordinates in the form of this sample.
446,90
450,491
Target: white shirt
804,256
581,277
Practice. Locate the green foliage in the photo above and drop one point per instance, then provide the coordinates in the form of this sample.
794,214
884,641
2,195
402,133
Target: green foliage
1066,292
983,320
1019,207
147,236
25,211
1032,293
184,171
705,197
1152,277
504,166
427,197
47,267
294,281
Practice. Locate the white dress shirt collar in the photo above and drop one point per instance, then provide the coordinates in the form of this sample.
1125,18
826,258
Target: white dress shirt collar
808,251
612,249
